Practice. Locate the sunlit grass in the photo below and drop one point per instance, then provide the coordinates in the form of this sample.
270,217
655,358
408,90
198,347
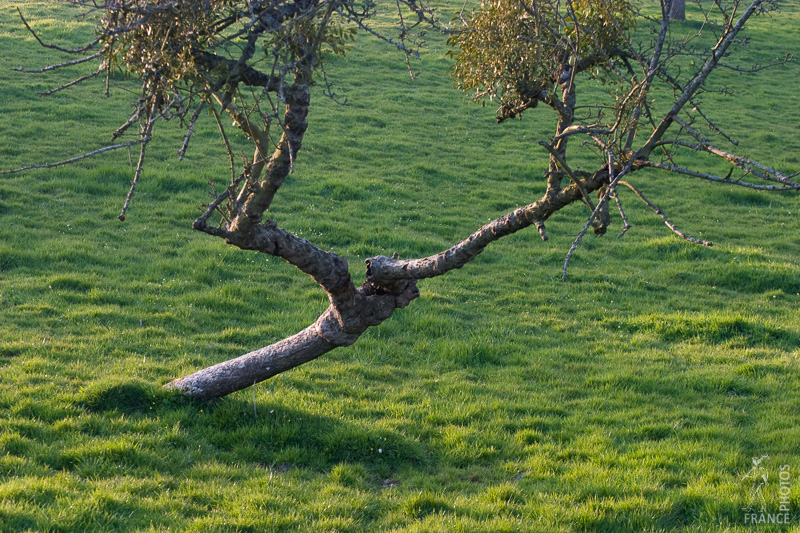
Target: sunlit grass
631,398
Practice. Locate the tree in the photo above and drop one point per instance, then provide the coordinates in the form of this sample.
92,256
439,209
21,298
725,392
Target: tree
256,61
677,10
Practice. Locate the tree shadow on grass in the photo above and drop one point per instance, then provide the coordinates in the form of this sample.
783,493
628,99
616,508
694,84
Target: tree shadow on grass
127,448
233,430
142,440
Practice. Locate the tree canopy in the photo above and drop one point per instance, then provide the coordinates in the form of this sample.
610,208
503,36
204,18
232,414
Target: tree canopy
517,52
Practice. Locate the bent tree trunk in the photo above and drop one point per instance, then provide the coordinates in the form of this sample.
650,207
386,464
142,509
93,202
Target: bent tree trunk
391,283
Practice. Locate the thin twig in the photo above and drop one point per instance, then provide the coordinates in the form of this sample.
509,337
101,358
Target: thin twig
107,91
790,185
73,82
77,158
403,32
145,139
133,118
575,180
190,130
360,24
711,124
580,237
698,81
134,182
54,47
225,141
764,172
611,187
600,204
60,65
627,224
200,222
613,193
660,213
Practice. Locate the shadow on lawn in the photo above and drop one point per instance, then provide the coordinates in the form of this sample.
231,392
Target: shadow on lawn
234,430
124,446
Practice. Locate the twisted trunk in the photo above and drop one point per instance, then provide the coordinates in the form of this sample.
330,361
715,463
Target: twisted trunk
390,284
339,325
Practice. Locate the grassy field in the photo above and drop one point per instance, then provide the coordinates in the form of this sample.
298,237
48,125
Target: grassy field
631,398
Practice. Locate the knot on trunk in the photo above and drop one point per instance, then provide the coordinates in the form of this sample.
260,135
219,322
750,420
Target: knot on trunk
332,327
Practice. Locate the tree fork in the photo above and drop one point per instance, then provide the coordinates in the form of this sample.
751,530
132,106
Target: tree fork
391,284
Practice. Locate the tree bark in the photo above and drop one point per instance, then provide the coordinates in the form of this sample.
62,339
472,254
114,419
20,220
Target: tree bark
677,10
391,284
340,325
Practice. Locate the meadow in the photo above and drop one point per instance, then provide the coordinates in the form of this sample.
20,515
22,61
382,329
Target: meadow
631,398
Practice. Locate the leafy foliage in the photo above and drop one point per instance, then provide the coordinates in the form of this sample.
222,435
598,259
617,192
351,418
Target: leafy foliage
514,51
198,47
158,37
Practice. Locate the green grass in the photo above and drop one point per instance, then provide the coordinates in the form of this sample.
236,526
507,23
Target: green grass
631,398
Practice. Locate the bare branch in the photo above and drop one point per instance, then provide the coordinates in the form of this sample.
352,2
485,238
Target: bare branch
357,20
711,124
577,129
77,158
789,58
146,135
135,116
712,177
696,108
403,33
748,165
718,52
382,270
59,65
601,204
648,78
190,130
570,173
608,190
612,191
76,81
626,226
81,50
201,222
225,141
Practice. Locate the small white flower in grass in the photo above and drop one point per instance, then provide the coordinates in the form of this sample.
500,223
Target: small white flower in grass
380,450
